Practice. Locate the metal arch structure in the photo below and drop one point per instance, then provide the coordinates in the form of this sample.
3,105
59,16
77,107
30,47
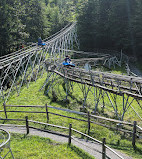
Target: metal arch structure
26,65
5,144
119,92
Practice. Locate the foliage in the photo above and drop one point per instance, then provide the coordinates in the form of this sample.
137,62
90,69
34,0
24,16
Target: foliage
22,22
11,27
108,24
111,25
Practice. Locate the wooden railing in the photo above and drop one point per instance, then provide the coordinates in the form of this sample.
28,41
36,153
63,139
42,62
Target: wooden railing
121,126
70,137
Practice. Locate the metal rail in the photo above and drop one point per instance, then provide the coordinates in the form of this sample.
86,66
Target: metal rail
5,144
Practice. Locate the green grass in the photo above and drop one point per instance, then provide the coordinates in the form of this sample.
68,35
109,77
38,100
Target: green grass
34,147
125,146
116,70
32,96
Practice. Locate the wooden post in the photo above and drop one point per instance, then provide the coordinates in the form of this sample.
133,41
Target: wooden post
69,141
103,104
134,135
88,123
47,115
4,105
103,148
27,124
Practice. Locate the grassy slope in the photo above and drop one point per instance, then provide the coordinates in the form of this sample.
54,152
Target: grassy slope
34,147
32,96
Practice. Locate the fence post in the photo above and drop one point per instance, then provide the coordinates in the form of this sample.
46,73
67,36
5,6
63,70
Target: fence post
4,105
47,115
69,141
27,124
88,123
103,148
134,135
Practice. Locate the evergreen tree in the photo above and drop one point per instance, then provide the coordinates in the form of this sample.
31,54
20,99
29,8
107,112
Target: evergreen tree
11,28
137,25
86,24
111,25
33,19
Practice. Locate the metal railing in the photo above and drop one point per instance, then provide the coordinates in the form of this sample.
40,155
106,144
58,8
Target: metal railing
5,144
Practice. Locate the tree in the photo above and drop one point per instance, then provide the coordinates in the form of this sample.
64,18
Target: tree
111,25
11,28
87,20
137,25
33,19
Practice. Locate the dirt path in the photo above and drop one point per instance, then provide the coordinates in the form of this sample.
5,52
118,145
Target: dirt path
92,148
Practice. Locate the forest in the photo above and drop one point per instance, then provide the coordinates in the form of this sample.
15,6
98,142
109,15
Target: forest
23,21
102,24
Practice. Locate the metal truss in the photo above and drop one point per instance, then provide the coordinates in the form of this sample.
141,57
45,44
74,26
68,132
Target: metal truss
27,65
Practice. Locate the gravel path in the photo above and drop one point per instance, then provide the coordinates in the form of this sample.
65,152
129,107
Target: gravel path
91,147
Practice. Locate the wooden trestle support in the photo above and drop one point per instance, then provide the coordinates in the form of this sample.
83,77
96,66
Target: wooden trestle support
109,90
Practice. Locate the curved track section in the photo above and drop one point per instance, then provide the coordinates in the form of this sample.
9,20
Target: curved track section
116,84
5,144
118,91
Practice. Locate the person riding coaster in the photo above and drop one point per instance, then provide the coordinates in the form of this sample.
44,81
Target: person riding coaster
67,62
40,43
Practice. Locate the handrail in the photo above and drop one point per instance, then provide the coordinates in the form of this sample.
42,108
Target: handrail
75,112
57,126
97,142
87,136
139,127
114,152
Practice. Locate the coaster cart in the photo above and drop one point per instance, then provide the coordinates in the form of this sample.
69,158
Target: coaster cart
40,43
68,64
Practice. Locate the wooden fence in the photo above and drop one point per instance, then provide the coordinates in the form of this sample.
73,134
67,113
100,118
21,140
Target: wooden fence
70,137
130,128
